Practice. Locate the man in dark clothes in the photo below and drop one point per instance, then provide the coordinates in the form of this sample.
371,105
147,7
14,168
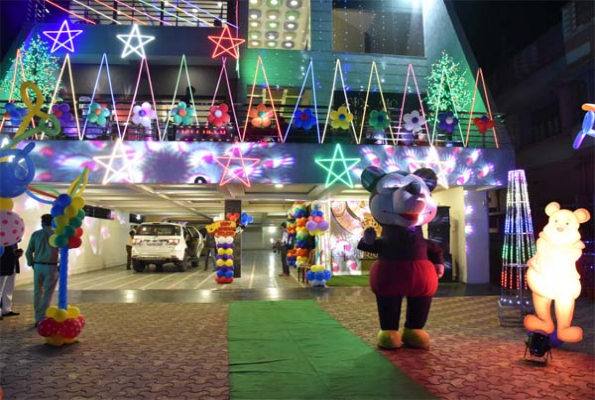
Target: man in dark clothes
9,267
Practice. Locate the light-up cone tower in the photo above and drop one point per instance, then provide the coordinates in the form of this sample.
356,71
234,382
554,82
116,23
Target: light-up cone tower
519,246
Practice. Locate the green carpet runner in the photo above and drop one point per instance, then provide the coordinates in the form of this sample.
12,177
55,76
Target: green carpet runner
295,350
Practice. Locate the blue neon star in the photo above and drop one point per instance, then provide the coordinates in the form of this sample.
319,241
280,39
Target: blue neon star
68,44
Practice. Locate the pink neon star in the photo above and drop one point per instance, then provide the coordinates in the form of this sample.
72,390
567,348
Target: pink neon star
230,48
231,173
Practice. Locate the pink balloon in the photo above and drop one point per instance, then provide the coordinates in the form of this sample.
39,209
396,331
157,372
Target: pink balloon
12,228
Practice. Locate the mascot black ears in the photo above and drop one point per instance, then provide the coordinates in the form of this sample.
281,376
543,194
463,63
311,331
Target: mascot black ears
408,265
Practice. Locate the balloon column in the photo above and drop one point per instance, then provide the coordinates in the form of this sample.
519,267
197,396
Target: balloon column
291,231
62,324
317,226
301,239
224,232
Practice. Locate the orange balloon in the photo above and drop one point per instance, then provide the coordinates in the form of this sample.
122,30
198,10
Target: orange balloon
182,113
588,107
98,111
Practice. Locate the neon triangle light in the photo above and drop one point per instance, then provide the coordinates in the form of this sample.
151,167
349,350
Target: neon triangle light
184,64
143,62
411,72
261,64
373,69
454,111
221,74
111,90
330,104
487,102
18,62
310,68
74,103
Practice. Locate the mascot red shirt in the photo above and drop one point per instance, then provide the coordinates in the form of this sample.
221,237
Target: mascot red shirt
408,265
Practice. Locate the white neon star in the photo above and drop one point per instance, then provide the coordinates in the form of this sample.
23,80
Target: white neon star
68,44
128,160
443,167
142,41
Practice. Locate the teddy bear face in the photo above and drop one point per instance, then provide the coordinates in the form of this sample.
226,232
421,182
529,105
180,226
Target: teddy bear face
562,227
402,200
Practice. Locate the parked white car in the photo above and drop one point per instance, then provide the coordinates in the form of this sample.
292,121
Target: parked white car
159,243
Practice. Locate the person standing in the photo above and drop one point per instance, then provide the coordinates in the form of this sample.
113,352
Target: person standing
210,251
283,250
9,267
129,244
43,258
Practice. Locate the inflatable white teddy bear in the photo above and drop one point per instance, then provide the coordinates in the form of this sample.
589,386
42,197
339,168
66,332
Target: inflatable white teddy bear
552,273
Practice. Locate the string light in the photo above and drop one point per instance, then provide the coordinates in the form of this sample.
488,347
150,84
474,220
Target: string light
70,12
313,83
97,12
487,102
18,61
195,7
174,15
120,12
143,13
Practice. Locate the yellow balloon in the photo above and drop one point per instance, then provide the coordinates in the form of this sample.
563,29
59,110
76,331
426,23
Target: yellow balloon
73,312
59,230
70,211
56,340
77,202
70,341
53,240
220,251
229,252
51,311
229,263
220,263
6,204
61,315
61,220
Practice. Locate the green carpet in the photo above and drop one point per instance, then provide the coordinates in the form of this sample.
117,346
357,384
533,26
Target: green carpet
295,350
349,280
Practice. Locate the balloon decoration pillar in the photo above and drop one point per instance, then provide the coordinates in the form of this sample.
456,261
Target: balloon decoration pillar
62,324
224,232
317,226
291,232
519,246
302,237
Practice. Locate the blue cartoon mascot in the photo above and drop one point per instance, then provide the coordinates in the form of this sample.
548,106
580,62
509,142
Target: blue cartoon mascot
408,265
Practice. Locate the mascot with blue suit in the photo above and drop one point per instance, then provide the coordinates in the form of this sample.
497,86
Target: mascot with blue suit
408,265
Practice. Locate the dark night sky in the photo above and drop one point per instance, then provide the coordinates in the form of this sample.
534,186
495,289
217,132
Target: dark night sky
500,28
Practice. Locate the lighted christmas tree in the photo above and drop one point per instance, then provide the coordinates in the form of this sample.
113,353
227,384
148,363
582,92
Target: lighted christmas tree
519,246
39,66
447,86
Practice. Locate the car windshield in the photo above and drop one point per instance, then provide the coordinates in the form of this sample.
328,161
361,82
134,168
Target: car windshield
158,230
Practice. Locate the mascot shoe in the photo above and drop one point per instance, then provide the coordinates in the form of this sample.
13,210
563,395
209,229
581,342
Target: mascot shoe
416,338
389,340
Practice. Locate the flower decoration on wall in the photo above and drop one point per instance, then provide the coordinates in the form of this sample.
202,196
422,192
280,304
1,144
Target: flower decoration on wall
483,123
447,121
218,115
379,120
182,114
304,119
98,114
414,121
261,116
143,115
341,118
14,114
62,112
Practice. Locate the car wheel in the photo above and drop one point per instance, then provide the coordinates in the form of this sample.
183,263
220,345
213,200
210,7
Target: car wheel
139,266
183,265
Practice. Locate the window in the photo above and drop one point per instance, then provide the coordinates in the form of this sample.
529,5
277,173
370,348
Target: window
378,26
158,230
279,24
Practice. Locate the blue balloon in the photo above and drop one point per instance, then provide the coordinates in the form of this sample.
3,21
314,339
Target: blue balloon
1,250
54,224
57,210
63,200
229,274
327,275
10,107
15,176
319,275
220,273
310,275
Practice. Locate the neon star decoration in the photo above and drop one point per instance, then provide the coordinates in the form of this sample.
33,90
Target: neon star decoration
338,162
56,36
139,47
128,160
230,174
433,161
226,43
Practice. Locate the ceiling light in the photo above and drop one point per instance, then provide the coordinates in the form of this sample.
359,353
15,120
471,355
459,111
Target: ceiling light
273,3
289,36
289,45
272,25
294,4
255,43
278,185
292,15
290,26
272,44
273,35
256,2
273,15
255,24
254,35
255,14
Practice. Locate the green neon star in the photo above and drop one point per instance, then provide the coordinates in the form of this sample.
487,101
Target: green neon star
347,166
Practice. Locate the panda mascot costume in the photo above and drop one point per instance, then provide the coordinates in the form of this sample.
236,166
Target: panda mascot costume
408,265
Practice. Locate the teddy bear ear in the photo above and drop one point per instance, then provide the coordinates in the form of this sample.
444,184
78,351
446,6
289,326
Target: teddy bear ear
582,215
551,208
429,177
370,177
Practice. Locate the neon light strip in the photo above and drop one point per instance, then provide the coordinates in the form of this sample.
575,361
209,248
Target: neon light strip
411,71
328,112
97,12
487,102
173,100
310,68
259,62
347,101
374,68
140,71
436,112
235,116
70,12
208,13
144,13
111,90
120,12
74,105
173,15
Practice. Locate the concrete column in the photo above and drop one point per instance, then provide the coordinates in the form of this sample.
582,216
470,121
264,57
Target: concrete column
477,236
235,206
